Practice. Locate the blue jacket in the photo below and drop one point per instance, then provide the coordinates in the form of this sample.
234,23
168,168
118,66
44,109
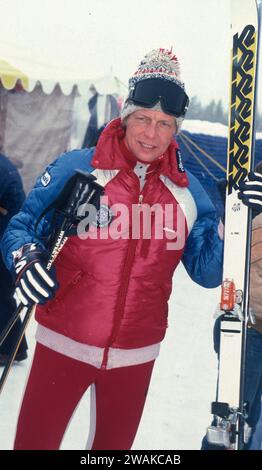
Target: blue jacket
11,191
203,253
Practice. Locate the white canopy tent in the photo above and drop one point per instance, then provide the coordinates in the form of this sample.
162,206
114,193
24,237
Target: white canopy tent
40,118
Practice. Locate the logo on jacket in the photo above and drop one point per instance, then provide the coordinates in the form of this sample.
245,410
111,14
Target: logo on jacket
103,216
45,178
179,161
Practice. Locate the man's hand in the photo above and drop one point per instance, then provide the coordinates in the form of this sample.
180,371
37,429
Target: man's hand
34,284
250,192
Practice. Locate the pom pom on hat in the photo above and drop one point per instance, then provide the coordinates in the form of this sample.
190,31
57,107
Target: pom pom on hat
159,63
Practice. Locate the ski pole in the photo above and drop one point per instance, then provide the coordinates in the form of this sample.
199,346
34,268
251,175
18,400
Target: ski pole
11,322
89,179
28,314
84,189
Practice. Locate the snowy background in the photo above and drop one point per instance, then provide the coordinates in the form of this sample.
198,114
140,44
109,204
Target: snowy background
184,379
183,384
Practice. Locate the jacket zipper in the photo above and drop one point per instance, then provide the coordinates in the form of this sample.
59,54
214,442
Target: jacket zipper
123,288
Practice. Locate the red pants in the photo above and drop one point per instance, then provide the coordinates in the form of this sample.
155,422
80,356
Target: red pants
55,386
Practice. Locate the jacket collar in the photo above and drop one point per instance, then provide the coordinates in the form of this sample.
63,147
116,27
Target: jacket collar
112,154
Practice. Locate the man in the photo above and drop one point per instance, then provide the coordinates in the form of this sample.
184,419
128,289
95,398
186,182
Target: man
104,323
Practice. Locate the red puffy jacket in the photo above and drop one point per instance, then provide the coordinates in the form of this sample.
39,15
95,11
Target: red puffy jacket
115,292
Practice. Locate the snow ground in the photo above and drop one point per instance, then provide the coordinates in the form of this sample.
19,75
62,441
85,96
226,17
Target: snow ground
182,387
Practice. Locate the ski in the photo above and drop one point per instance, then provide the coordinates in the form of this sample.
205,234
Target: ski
229,409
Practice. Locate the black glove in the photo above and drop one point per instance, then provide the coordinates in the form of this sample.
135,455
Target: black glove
92,209
250,192
34,284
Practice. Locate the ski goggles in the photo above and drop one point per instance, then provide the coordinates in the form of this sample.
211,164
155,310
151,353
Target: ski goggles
172,97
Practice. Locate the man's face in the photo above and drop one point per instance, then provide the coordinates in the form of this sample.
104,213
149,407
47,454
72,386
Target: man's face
149,133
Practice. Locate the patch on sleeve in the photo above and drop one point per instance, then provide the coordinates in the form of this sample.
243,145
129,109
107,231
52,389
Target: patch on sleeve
46,178
179,161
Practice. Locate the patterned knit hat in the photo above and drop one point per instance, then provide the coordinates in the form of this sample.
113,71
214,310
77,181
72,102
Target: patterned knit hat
159,63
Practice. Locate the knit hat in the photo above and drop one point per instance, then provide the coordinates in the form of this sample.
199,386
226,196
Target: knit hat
159,63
